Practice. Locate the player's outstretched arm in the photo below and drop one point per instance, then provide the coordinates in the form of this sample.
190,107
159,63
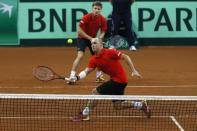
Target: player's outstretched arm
84,73
131,65
81,75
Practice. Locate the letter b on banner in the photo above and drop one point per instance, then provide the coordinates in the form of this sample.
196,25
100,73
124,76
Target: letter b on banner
8,22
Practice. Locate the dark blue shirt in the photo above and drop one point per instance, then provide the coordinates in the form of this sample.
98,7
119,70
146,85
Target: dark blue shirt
121,6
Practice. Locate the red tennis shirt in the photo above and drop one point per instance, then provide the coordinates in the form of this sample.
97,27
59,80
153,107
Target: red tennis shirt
108,62
91,24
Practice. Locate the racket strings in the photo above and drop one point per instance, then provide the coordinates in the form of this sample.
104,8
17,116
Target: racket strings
43,73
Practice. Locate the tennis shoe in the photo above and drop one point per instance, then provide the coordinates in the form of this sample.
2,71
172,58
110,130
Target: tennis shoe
132,48
71,82
100,79
80,117
146,109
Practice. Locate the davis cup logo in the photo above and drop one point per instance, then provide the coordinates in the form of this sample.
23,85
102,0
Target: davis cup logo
5,8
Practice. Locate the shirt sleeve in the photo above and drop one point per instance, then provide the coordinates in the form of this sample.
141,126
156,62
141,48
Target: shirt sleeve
115,54
83,21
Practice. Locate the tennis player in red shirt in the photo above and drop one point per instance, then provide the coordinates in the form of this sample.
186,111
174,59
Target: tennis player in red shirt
89,25
103,59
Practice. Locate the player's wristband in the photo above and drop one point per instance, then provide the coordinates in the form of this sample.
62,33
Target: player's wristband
81,75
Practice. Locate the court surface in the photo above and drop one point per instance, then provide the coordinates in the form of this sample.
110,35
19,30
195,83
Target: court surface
166,70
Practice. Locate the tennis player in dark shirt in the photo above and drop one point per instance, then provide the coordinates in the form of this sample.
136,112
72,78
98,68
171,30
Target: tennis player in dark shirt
122,12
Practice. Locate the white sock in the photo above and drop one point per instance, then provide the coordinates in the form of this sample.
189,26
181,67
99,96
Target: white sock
98,73
86,111
136,105
72,73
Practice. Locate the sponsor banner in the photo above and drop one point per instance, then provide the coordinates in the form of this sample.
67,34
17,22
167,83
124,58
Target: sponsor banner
8,22
165,19
93,0
44,20
150,19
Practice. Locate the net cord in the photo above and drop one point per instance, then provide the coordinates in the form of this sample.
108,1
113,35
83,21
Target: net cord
95,97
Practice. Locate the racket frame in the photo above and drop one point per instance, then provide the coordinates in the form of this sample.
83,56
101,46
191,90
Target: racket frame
55,75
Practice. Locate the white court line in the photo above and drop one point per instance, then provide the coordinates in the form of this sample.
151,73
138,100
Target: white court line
177,123
164,86
66,117
92,86
93,116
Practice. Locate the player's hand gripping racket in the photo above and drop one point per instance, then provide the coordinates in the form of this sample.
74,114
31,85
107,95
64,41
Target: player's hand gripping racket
44,73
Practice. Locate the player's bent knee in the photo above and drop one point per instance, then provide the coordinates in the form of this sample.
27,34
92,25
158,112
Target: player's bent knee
95,92
80,56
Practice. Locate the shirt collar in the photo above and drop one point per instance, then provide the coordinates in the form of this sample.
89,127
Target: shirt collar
94,16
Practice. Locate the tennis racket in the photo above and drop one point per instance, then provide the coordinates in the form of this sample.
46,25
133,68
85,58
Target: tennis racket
44,73
117,42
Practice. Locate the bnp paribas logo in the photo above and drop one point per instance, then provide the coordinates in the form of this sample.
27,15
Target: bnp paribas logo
5,8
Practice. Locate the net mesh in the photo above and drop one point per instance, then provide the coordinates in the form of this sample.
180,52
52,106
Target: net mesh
35,112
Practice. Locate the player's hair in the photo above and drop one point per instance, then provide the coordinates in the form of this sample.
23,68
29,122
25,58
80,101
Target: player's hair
97,3
97,40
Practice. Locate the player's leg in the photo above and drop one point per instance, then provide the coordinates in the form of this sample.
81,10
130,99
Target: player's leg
76,62
81,45
118,89
128,31
85,114
116,22
146,109
103,89
140,105
90,106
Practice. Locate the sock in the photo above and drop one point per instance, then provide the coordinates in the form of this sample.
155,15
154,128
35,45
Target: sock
86,111
136,105
98,73
72,73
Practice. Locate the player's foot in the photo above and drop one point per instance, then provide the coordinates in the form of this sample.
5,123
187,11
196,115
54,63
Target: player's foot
146,109
100,79
80,117
71,82
133,48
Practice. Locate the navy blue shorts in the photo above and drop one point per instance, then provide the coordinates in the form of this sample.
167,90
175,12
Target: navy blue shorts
82,44
111,88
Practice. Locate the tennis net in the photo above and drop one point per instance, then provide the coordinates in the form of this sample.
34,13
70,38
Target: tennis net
47,112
